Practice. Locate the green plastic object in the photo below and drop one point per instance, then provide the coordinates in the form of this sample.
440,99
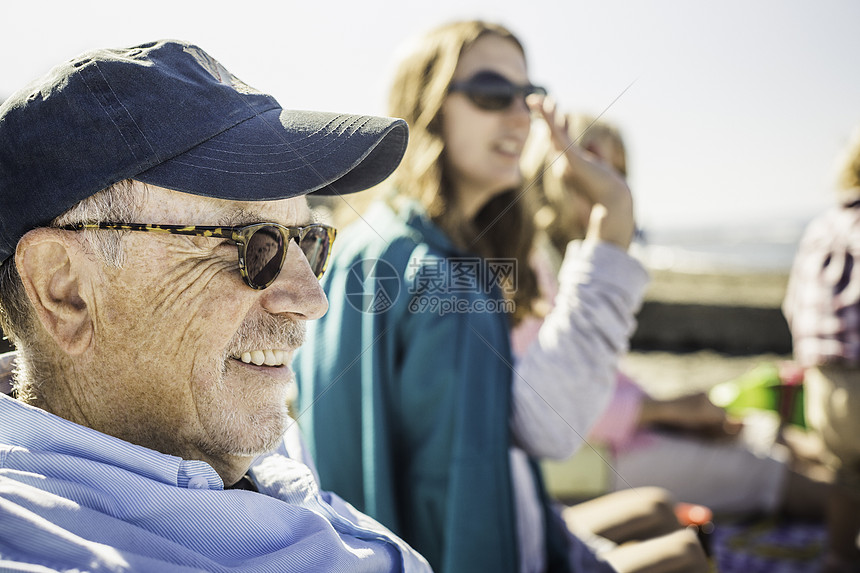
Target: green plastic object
762,388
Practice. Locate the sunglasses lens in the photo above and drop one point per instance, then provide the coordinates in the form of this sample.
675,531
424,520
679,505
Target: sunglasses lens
316,245
492,91
266,248
264,256
491,99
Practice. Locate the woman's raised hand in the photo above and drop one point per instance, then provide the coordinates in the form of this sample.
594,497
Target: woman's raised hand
612,215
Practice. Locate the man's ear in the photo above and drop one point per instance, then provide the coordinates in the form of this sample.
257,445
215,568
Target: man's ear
52,268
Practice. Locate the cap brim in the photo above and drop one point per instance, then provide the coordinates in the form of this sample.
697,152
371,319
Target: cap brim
280,154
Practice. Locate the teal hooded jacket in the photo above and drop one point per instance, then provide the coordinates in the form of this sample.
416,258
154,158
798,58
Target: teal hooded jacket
404,393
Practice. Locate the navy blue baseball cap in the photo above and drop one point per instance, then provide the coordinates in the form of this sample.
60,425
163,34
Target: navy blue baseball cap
168,114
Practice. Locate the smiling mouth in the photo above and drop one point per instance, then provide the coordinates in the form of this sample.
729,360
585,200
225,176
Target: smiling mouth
267,357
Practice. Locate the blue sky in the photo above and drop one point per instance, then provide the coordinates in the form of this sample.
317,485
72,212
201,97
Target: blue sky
735,114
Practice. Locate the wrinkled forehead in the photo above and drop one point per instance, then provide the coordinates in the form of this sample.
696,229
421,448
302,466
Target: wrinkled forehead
166,206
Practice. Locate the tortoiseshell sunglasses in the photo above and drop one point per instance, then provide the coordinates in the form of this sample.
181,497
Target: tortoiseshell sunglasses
262,247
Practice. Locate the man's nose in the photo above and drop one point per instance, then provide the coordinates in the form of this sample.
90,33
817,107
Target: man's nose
296,290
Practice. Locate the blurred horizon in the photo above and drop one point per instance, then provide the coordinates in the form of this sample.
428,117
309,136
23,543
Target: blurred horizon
733,112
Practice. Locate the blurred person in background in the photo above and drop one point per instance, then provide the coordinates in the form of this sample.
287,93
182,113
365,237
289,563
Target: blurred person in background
438,429
822,306
686,444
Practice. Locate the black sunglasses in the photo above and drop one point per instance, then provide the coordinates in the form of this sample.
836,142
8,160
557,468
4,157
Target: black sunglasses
262,247
491,91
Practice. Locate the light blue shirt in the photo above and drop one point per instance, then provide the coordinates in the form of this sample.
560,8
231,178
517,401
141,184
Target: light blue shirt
72,498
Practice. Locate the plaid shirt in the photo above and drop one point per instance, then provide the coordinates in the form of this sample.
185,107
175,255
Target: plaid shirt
822,302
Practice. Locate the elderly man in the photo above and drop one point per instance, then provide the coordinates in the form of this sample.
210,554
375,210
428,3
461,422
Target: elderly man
159,264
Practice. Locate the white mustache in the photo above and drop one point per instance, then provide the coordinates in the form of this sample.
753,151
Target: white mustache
267,331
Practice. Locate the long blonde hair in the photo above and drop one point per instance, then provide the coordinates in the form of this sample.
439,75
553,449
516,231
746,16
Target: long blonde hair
504,228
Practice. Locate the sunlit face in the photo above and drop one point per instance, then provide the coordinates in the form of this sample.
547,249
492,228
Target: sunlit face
607,150
172,324
483,148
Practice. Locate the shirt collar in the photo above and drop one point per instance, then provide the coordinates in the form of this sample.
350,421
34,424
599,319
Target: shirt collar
35,429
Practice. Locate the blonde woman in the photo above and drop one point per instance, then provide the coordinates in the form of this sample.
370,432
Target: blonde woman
437,431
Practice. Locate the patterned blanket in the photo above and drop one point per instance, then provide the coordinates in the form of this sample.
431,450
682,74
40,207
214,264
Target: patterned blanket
768,546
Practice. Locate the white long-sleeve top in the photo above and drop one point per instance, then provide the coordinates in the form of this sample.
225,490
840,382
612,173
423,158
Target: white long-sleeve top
565,378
